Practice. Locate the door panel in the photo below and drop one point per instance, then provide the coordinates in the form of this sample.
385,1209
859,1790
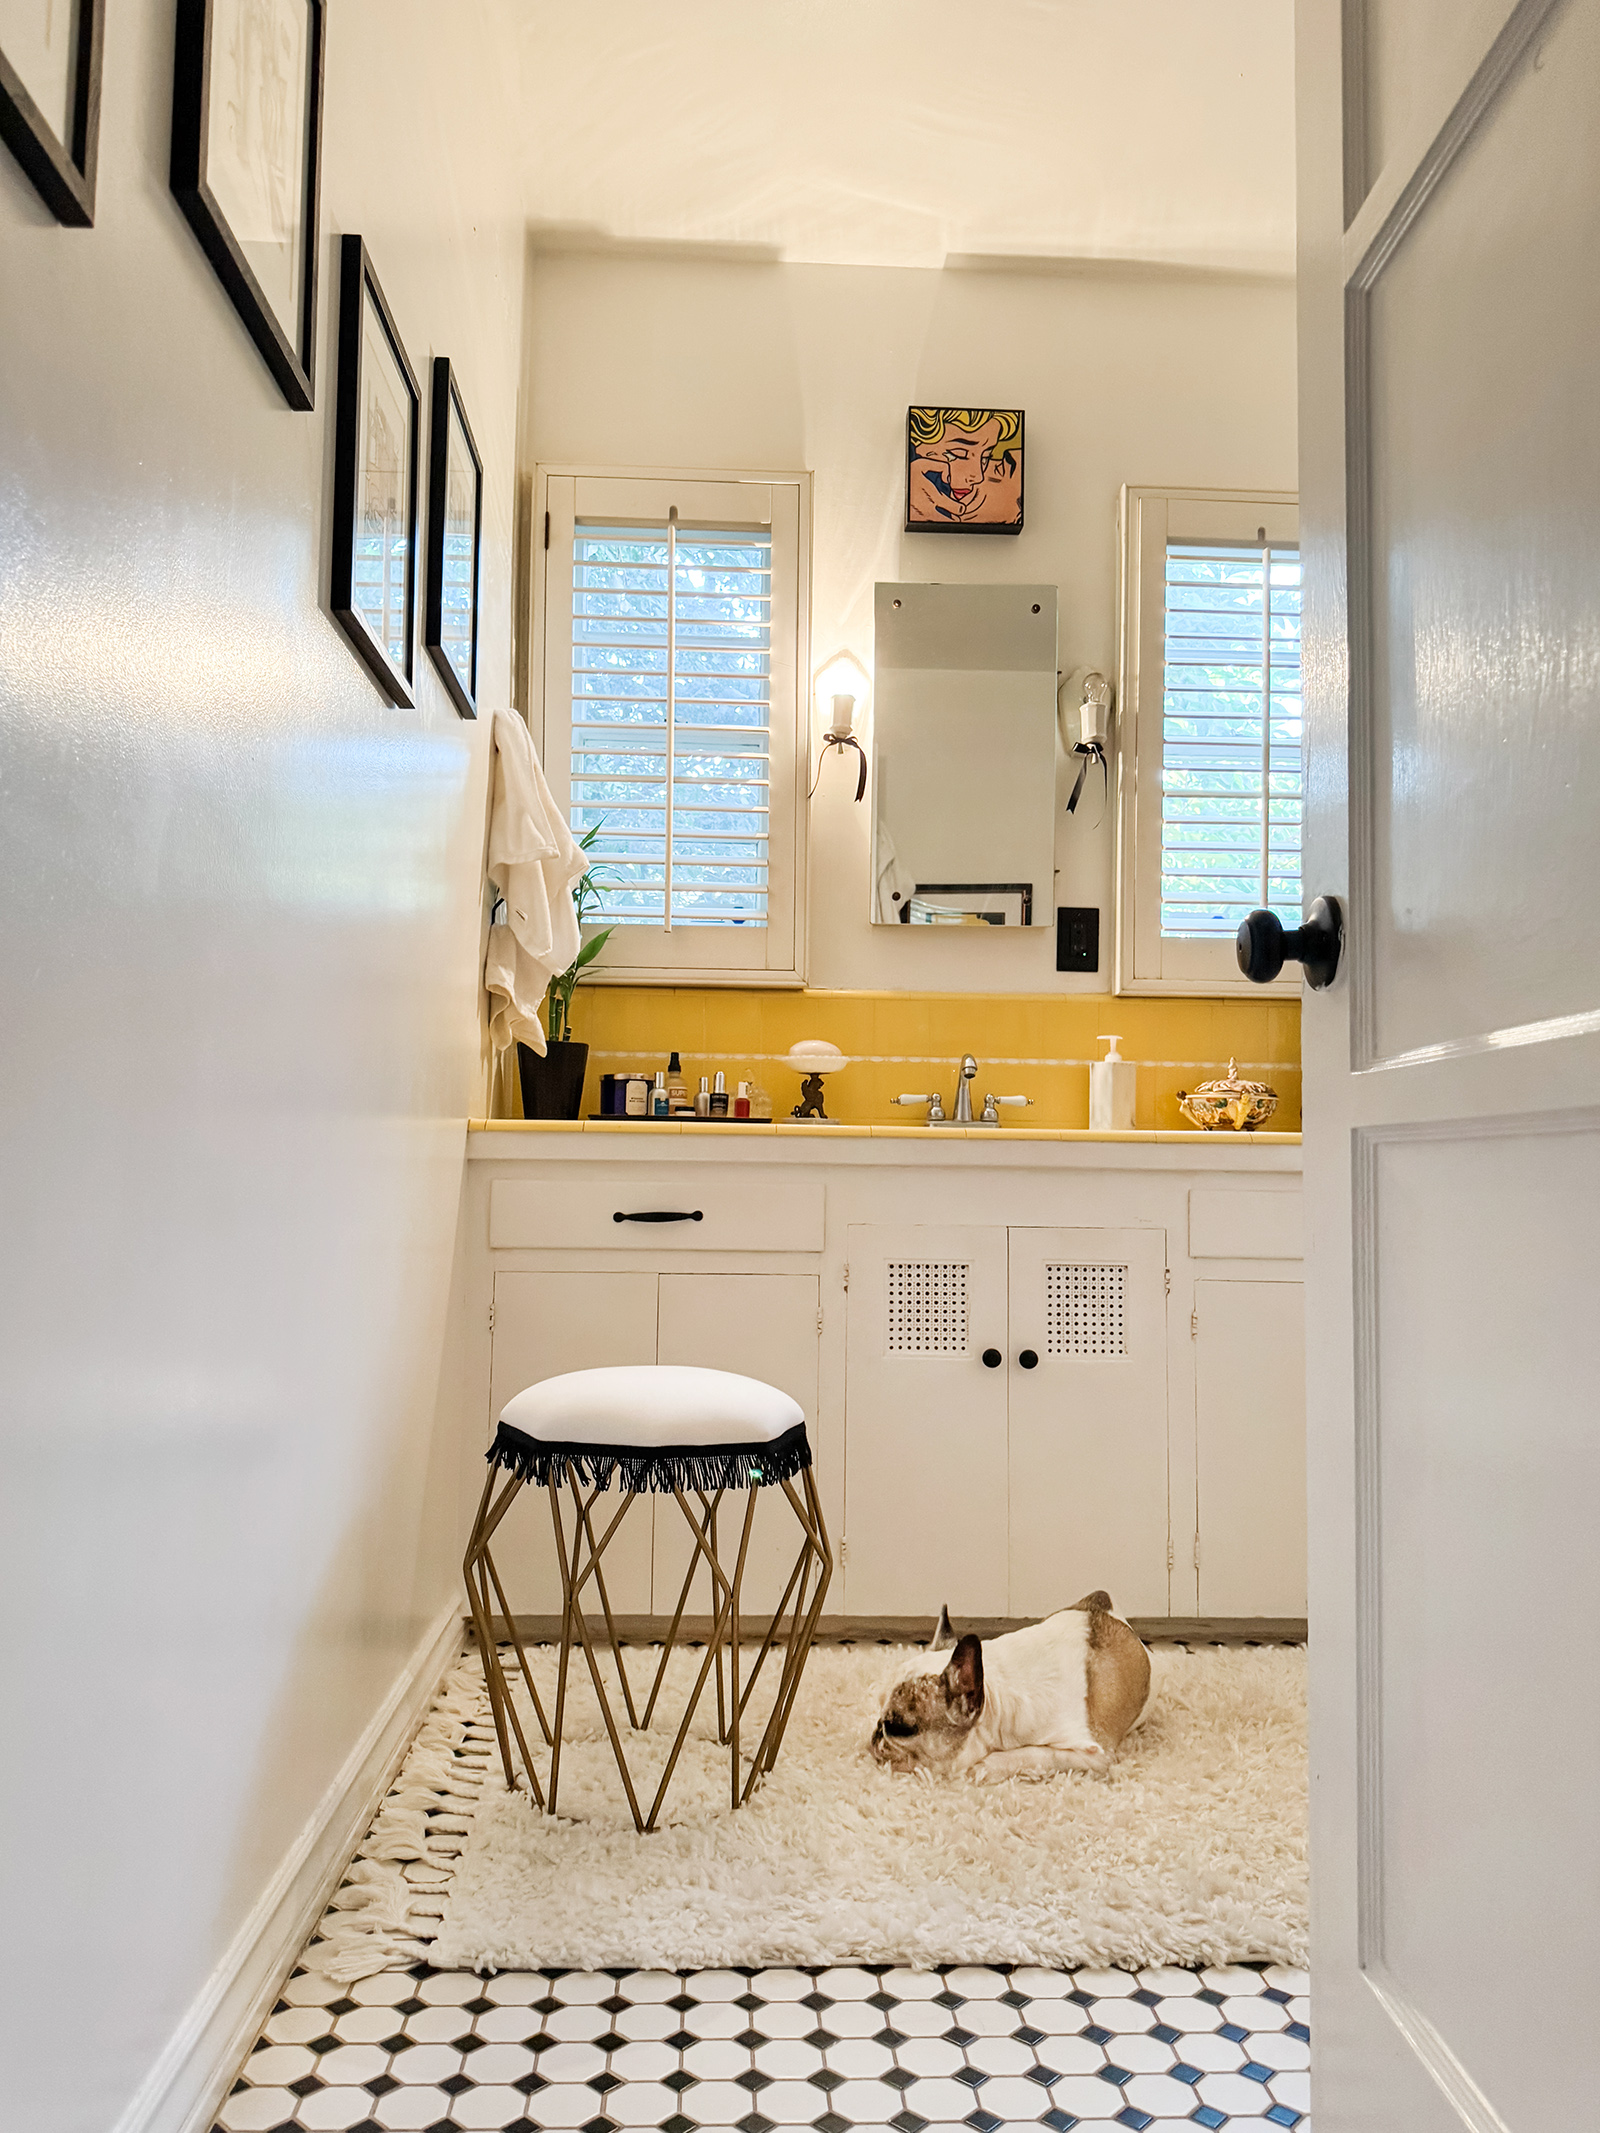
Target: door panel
1088,1433
1250,1446
1486,1461
764,1326
545,1324
1483,466
925,1436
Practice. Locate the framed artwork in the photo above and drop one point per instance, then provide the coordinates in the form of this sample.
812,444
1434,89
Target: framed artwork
246,165
964,470
375,453
50,99
455,533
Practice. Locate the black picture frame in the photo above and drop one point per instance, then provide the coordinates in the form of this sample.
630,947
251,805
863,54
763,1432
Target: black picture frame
992,447
447,402
291,357
359,291
61,172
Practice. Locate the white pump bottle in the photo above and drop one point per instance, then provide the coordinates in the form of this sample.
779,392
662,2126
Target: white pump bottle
1113,1084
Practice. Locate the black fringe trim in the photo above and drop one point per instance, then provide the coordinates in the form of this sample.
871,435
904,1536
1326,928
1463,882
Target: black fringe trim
658,1470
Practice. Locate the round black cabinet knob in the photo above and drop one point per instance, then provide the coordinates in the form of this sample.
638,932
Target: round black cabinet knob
992,1359
1028,1359
1264,947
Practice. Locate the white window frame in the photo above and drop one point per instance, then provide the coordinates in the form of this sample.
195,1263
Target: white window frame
1145,962
773,955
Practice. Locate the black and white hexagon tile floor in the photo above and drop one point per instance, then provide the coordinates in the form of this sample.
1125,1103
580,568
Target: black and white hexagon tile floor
588,2052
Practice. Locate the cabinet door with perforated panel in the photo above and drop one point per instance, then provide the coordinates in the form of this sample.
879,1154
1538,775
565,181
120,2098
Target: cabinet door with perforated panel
1087,1377
925,1421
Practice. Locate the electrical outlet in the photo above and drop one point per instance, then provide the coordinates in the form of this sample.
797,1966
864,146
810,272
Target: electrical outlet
1077,937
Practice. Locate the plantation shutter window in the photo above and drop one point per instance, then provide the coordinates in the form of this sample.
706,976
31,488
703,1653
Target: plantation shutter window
1210,741
672,715
1230,737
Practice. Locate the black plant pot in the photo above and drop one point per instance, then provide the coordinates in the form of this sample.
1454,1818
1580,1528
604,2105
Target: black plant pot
552,1087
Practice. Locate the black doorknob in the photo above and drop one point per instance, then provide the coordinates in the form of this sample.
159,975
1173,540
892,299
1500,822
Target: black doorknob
992,1359
1264,947
1027,1359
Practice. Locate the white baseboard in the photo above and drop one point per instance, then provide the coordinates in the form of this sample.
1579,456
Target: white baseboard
185,2087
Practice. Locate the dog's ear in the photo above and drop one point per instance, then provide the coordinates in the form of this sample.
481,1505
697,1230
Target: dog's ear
963,1680
1092,1603
943,1635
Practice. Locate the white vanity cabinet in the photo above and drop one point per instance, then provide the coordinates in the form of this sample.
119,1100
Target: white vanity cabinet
1006,1417
1029,1365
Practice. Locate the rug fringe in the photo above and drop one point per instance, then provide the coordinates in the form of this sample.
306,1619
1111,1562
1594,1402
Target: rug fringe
380,1917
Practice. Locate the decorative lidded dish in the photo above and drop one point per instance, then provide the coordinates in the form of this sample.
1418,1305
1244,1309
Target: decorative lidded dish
1233,1101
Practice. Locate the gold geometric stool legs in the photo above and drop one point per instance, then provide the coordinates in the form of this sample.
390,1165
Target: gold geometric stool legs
585,1519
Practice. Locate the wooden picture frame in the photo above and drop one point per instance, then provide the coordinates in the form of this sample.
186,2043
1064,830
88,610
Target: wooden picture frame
453,573
377,423
964,469
253,207
60,165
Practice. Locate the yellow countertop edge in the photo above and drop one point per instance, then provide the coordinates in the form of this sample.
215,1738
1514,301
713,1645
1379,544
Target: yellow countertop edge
1144,1136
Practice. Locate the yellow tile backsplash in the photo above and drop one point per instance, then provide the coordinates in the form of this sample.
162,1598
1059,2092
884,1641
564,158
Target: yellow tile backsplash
1031,1044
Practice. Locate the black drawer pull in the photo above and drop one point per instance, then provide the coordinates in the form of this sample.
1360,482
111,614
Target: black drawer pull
992,1359
1028,1359
653,1216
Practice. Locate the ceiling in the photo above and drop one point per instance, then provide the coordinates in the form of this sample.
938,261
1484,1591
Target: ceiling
915,133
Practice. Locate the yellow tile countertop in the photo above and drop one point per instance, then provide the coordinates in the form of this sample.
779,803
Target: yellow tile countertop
828,1130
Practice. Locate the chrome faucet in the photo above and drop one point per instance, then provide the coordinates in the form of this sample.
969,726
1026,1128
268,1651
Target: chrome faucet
963,1103
968,1075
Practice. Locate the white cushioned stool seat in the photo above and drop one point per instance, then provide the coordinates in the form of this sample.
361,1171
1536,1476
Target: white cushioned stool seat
664,1425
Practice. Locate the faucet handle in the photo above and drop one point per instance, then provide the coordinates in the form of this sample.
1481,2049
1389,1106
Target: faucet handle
991,1105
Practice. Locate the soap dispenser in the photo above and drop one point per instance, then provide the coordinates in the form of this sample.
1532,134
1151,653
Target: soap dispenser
1112,1085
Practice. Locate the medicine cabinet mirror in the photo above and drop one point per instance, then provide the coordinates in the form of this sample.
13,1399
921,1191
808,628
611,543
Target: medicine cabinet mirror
964,756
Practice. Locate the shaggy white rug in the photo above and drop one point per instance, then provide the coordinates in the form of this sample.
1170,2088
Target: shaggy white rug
1191,1850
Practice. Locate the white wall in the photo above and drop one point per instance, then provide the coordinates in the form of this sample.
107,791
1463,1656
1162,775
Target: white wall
1157,377
239,1038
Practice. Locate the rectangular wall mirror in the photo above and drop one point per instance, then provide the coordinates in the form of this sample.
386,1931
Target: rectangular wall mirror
964,756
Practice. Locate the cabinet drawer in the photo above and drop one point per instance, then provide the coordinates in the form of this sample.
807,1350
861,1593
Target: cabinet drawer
762,1211
1244,1225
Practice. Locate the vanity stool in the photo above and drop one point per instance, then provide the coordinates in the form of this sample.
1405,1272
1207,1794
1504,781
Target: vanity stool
660,1429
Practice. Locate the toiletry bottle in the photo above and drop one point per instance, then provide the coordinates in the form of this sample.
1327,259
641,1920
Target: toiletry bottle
660,1102
619,1096
760,1103
741,1099
608,1094
638,1096
702,1103
1112,1085
677,1087
719,1095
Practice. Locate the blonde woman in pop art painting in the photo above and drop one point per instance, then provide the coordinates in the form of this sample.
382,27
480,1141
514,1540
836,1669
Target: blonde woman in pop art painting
964,470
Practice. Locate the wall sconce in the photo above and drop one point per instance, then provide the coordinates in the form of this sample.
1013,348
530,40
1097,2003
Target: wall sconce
1083,711
842,688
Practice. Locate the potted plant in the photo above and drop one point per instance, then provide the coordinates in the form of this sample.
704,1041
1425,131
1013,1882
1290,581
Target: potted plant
552,1087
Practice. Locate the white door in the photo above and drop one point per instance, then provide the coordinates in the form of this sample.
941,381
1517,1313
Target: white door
925,1420
1250,1448
1450,525
1086,1368
764,1326
545,1324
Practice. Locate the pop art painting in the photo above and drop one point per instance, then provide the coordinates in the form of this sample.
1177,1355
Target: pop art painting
964,470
